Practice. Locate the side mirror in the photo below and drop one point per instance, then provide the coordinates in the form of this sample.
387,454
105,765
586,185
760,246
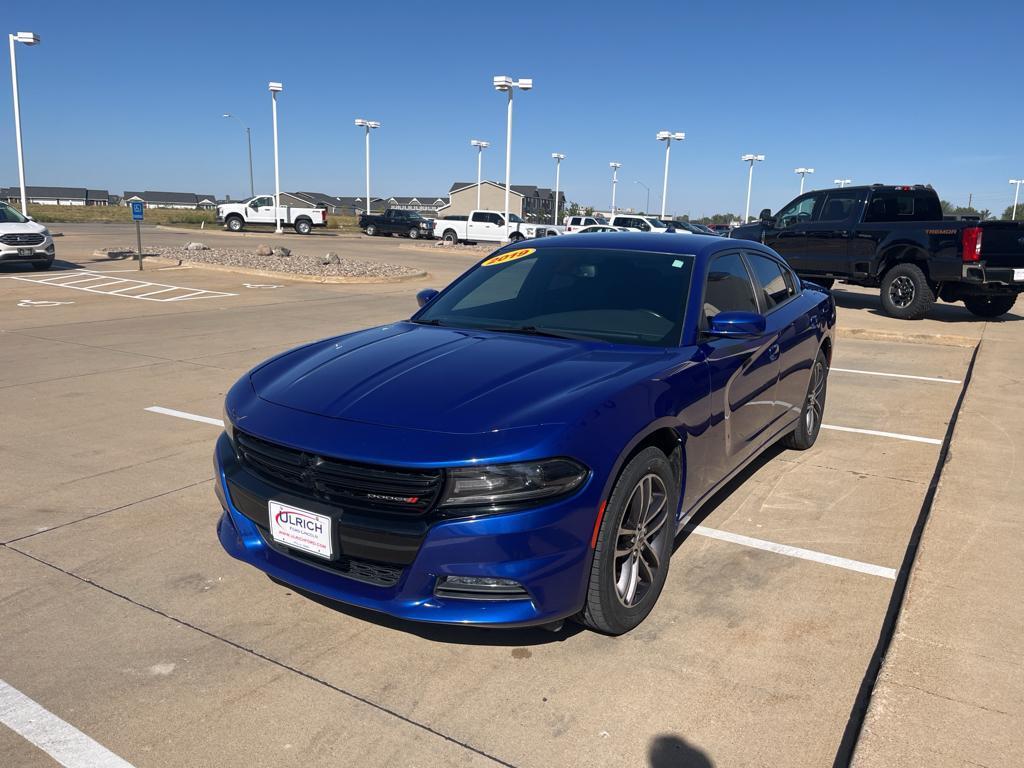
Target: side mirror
766,217
737,325
426,296
30,218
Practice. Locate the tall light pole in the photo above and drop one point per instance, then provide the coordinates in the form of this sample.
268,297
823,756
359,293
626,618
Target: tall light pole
840,182
480,147
615,180
803,172
506,83
369,125
668,137
28,38
1016,196
248,136
648,208
276,88
558,158
750,180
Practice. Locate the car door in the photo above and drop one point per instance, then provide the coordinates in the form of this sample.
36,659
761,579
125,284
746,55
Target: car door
483,225
744,371
787,234
261,210
827,238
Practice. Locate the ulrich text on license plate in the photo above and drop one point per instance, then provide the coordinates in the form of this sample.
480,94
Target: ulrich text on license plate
25,251
301,529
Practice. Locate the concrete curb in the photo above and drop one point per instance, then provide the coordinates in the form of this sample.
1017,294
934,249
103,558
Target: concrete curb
216,229
913,338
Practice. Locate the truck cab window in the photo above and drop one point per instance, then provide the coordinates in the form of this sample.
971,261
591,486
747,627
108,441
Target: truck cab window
799,211
839,206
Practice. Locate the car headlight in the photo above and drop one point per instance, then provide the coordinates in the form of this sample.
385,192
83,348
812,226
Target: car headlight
512,483
229,425
45,232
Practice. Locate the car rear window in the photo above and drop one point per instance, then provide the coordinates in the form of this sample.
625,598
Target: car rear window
904,205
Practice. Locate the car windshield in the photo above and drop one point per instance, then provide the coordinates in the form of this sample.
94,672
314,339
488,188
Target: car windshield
515,219
657,223
600,219
10,216
624,297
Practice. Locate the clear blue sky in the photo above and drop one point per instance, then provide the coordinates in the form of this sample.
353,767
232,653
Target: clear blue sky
129,96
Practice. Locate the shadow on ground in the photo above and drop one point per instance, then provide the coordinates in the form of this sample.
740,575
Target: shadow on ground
670,751
946,313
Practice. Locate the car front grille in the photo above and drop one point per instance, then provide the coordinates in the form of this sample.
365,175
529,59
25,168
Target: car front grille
378,574
22,238
342,483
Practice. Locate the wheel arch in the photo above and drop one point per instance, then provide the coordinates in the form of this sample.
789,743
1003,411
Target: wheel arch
902,252
665,438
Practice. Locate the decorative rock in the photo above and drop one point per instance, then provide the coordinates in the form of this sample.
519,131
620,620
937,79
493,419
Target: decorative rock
196,247
331,258
264,250
282,252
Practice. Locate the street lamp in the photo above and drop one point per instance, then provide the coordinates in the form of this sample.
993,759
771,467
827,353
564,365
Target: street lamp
1016,196
276,88
28,38
840,182
480,147
615,180
368,125
648,208
750,180
248,136
506,83
803,172
558,158
668,137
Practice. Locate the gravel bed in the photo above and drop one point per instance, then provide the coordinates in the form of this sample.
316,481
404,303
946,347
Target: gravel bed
295,264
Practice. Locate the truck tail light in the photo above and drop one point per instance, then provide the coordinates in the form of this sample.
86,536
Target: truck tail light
972,244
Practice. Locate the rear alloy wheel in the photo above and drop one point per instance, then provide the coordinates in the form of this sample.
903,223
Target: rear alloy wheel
515,237
414,233
906,293
809,424
303,226
450,237
634,545
371,230
989,306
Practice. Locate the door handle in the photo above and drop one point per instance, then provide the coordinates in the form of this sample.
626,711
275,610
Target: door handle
773,352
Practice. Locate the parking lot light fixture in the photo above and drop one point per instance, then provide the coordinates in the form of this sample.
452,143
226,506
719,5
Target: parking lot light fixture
368,125
615,180
506,83
25,38
480,147
1016,197
803,172
750,180
558,158
668,137
648,208
248,137
276,88
840,182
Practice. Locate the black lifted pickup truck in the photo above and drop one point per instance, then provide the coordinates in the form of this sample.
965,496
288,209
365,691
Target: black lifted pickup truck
895,238
396,222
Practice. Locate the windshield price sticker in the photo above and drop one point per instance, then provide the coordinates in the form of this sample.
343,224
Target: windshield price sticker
510,256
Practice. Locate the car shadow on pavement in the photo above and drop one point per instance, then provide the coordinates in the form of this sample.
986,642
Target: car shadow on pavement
13,270
670,751
443,633
946,313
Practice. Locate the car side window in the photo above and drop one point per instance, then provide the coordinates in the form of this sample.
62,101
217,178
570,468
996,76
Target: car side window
728,287
839,205
770,280
481,217
800,210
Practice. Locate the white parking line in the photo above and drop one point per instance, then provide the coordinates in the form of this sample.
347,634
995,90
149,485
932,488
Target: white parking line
798,552
84,280
896,375
60,740
184,415
877,433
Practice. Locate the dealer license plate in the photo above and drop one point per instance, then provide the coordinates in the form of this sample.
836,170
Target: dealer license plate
28,252
301,529
1018,274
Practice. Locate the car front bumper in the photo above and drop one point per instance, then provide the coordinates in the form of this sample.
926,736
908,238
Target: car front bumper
545,549
28,254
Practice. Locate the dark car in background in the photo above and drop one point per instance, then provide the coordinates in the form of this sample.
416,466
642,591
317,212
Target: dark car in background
395,221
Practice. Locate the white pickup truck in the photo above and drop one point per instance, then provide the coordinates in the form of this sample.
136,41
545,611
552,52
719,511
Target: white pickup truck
260,210
490,226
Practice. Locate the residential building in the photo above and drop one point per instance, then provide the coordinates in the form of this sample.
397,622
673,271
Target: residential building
527,201
183,200
428,205
56,195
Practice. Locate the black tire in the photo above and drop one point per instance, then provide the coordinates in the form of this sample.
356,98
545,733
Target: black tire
414,233
906,293
607,609
516,237
989,306
371,230
235,223
42,266
303,226
450,237
811,415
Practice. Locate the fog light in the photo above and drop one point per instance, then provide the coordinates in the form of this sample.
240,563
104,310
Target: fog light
479,588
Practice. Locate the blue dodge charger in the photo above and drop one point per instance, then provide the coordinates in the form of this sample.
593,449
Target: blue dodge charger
526,447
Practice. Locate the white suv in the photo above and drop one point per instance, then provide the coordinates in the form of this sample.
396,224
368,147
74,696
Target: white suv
576,223
635,222
23,241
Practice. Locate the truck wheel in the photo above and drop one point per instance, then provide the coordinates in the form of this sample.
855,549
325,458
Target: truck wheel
516,237
906,293
450,237
371,230
303,226
989,306
414,233
235,223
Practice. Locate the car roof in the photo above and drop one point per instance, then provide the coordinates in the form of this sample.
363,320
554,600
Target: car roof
700,246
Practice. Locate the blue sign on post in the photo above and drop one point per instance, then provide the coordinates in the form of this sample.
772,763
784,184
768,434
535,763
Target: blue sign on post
137,207
137,210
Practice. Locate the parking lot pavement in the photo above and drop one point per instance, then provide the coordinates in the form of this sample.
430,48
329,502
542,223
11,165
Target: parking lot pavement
121,615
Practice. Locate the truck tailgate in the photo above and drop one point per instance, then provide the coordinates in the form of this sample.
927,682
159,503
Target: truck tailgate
1002,243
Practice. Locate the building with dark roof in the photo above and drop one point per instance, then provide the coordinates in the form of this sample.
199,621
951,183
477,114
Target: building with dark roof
529,202
56,195
183,200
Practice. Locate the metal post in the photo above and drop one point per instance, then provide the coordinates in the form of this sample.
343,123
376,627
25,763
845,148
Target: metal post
138,236
801,183
367,170
558,168
479,166
277,174
750,183
664,185
615,180
252,187
17,127
508,159
1016,194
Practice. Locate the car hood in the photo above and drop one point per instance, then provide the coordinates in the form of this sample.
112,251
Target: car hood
451,380
16,228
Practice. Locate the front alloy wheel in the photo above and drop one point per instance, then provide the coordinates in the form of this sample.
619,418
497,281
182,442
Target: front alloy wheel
636,552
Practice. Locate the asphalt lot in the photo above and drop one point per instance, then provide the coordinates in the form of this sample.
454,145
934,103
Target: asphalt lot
121,615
